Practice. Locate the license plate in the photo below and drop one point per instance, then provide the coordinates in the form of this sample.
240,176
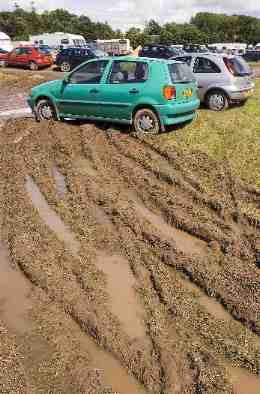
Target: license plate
187,93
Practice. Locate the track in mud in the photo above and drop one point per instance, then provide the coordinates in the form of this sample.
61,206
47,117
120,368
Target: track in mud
140,280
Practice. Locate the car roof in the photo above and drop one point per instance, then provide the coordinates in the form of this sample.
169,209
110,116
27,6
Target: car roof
130,58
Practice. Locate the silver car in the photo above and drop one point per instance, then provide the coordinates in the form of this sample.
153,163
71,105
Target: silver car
222,79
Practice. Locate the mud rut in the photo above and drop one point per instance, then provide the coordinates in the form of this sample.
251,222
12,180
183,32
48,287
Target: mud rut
139,266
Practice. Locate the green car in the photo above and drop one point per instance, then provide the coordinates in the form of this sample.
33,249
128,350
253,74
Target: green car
148,93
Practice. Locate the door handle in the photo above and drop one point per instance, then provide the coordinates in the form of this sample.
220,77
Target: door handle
134,91
94,91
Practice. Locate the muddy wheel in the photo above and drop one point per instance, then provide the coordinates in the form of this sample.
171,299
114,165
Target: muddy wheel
33,66
3,63
217,100
45,110
65,67
146,121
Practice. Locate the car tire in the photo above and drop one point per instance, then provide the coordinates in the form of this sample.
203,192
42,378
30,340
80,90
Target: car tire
45,110
33,66
217,100
146,121
65,67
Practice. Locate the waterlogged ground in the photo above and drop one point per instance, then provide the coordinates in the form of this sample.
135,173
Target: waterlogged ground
119,271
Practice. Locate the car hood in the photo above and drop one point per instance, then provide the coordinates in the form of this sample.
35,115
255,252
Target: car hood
48,86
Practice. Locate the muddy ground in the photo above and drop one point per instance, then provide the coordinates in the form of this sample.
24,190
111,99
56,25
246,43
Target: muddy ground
119,272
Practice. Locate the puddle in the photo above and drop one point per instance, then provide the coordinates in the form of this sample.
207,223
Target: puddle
51,218
124,301
184,241
60,182
113,374
14,294
244,382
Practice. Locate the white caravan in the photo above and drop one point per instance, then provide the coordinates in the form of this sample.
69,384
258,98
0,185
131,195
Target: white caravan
5,42
58,40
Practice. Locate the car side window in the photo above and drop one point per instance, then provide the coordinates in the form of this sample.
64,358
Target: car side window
128,72
185,59
27,51
205,66
19,51
89,73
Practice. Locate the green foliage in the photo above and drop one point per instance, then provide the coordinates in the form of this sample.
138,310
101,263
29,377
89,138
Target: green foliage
203,28
19,24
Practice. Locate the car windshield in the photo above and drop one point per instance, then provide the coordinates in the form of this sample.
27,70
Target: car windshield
239,66
180,73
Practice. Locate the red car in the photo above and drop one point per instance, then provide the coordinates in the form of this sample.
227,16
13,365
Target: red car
3,57
31,57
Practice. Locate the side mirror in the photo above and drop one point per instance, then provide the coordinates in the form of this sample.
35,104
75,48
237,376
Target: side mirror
66,79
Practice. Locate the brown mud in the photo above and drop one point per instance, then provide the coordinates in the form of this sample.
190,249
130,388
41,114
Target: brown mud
141,279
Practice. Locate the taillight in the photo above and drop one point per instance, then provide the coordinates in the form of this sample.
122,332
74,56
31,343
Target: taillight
229,66
169,92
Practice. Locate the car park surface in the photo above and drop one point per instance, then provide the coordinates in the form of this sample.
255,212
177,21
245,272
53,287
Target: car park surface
221,79
148,93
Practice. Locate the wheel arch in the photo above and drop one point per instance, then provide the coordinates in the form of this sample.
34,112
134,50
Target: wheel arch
148,106
214,89
46,97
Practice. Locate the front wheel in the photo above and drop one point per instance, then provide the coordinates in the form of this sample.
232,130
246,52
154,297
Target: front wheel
45,110
65,67
33,66
217,100
146,121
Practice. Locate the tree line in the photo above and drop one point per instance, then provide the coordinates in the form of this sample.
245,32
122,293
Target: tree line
203,28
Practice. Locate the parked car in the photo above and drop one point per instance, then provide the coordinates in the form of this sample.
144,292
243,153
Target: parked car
252,56
221,79
148,93
68,59
3,57
30,57
158,51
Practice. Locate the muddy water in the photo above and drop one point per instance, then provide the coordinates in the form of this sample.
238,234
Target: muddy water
244,382
113,374
14,295
120,286
184,241
51,218
59,181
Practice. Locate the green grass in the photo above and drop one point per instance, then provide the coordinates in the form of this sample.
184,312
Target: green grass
232,135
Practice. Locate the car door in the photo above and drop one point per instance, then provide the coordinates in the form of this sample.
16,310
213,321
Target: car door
124,87
207,74
81,94
15,57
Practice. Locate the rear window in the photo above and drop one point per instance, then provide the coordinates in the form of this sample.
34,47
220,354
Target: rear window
238,66
180,72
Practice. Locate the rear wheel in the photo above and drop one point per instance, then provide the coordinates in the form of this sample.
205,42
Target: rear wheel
146,121
33,66
217,100
65,67
45,110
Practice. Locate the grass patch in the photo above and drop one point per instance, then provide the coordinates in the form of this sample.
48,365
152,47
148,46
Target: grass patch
232,135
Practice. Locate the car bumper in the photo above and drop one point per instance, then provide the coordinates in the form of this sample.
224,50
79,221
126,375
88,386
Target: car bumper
174,113
241,94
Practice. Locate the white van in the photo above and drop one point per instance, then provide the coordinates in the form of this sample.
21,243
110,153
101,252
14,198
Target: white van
58,40
5,42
